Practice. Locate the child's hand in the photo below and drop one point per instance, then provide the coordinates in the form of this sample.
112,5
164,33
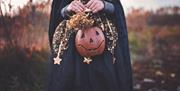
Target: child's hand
95,5
76,6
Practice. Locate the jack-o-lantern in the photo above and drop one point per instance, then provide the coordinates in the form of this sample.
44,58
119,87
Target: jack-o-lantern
90,41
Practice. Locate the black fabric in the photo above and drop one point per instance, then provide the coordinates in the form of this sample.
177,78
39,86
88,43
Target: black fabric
101,75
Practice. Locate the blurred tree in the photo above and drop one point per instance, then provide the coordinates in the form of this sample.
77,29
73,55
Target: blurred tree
154,42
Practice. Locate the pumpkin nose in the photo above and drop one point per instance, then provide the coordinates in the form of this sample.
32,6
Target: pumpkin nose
91,41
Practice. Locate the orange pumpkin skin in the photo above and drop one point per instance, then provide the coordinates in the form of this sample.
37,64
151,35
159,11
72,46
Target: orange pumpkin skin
90,42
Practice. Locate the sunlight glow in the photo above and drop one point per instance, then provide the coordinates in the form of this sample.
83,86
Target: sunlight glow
127,4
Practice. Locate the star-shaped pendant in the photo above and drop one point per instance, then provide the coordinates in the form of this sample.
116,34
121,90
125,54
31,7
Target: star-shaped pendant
114,60
57,61
87,60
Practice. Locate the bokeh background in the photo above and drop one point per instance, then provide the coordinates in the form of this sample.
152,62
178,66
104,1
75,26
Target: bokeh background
154,38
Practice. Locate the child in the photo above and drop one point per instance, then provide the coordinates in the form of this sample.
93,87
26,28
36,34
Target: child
101,74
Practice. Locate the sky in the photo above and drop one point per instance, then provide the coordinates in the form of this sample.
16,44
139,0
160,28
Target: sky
148,4
15,3
127,4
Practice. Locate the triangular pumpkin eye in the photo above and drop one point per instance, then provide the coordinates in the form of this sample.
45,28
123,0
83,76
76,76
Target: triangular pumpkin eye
82,36
91,40
97,33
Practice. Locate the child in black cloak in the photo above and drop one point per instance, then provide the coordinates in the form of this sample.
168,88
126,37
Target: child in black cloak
101,74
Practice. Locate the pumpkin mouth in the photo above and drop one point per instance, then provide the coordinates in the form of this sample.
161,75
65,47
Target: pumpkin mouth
91,49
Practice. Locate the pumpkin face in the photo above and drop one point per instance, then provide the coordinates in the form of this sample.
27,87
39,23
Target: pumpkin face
90,42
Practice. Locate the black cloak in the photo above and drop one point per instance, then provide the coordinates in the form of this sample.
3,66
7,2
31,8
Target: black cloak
101,74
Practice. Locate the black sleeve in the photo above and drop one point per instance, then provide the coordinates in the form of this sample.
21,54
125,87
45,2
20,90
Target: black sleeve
108,7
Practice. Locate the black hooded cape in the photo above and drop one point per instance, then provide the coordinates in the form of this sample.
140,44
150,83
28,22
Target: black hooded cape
101,75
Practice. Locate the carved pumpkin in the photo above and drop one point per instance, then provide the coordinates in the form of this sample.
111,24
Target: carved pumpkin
90,42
